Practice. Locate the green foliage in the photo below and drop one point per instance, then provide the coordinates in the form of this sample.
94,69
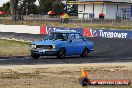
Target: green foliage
33,9
5,7
29,6
1,9
45,6
58,7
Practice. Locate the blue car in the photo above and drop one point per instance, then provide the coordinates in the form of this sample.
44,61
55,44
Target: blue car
61,44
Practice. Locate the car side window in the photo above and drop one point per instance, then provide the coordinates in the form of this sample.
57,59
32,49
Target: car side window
78,37
71,37
65,36
58,36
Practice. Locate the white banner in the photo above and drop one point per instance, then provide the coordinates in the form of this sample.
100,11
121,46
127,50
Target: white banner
20,29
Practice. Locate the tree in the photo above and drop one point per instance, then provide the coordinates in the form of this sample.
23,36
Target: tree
48,5
1,9
6,7
58,7
33,9
19,7
45,6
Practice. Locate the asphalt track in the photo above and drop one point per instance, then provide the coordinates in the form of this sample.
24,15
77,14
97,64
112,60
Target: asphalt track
106,51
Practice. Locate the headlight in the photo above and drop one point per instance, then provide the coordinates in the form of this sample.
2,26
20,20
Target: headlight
53,46
33,46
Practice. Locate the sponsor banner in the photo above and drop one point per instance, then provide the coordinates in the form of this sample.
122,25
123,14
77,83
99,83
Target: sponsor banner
43,30
112,33
61,29
87,32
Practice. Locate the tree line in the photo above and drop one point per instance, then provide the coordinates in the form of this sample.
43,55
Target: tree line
18,8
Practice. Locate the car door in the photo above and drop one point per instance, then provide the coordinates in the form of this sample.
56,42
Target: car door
79,43
70,47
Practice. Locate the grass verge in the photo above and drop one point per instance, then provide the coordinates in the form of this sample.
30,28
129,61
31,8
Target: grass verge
10,48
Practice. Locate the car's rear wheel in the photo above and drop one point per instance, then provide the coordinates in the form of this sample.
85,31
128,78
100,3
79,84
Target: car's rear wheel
35,56
85,52
61,53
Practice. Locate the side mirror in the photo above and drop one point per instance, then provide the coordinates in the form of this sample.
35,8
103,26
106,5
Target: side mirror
42,39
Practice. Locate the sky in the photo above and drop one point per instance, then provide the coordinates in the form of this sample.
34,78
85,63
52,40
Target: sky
4,1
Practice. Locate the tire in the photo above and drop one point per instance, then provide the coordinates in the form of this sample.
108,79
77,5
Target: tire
61,53
85,52
84,82
35,56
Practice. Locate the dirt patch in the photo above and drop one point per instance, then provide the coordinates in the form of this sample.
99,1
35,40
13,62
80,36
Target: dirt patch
61,75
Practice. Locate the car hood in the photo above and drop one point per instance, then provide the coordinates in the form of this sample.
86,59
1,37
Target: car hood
48,42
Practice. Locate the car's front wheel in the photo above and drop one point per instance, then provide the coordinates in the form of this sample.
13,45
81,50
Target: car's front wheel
85,52
35,56
61,53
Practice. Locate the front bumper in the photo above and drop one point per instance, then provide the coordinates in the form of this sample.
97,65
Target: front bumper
45,52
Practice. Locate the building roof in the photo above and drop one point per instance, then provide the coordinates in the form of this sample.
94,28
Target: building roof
116,1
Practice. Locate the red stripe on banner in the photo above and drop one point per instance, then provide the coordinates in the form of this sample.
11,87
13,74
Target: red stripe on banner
43,30
87,32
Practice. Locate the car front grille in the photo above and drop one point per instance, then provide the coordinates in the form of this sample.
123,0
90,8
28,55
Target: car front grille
44,46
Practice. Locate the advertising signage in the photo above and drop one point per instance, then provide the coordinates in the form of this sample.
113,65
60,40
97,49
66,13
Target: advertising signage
90,32
61,29
112,33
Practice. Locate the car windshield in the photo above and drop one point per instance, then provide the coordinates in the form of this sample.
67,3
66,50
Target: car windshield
56,36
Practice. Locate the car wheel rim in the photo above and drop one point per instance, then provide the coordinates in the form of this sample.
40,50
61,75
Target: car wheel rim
85,53
62,53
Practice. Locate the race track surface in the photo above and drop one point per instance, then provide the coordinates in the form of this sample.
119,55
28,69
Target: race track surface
106,51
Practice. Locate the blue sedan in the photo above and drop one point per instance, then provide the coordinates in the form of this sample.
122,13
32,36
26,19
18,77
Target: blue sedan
61,44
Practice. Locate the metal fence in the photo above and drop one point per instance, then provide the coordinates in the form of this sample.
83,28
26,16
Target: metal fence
72,19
